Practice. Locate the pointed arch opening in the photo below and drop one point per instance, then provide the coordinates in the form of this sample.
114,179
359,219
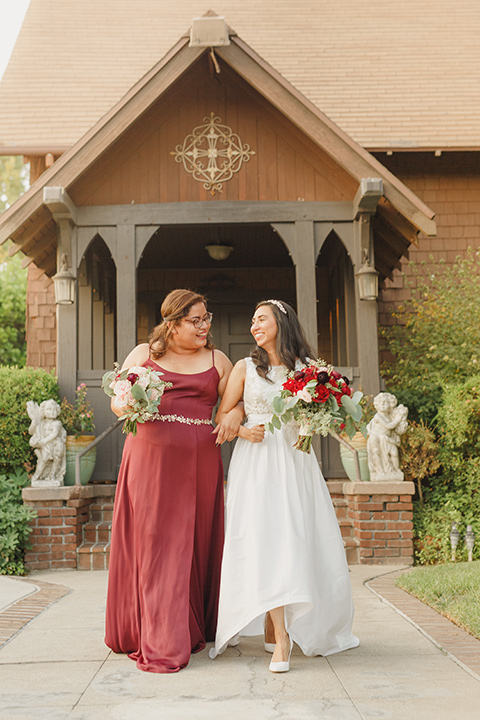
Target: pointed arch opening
337,330
97,308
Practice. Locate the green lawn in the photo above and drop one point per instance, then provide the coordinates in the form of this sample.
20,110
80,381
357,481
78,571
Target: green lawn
452,589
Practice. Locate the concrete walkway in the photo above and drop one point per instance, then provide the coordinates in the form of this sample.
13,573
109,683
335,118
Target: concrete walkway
57,667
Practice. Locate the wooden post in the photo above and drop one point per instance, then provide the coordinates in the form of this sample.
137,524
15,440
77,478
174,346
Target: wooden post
305,258
367,312
126,291
64,213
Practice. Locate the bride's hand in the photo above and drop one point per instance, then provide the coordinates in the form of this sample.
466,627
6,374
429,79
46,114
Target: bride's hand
256,433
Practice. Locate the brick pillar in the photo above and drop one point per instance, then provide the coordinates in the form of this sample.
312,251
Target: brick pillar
382,517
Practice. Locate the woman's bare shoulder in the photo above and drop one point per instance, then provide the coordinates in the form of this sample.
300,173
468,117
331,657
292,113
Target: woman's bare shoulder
222,360
139,355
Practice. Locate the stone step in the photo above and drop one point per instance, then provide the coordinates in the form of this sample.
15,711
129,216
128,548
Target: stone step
93,556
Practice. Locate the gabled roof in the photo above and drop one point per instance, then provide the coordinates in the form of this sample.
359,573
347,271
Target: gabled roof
396,74
26,221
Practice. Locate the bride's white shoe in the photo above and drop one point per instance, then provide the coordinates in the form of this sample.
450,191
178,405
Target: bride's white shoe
284,665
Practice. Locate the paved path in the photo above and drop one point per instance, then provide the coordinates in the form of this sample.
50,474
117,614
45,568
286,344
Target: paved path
57,667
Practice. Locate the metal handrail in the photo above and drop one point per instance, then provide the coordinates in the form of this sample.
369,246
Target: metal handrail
95,442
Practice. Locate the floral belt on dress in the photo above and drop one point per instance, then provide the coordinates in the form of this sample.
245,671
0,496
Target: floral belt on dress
182,419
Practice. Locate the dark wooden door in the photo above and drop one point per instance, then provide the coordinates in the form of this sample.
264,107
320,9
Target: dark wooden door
231,334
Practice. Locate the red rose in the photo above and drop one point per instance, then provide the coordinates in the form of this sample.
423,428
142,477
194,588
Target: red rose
132,378
321,394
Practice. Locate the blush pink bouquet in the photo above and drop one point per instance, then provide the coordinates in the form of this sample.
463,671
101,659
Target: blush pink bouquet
137,391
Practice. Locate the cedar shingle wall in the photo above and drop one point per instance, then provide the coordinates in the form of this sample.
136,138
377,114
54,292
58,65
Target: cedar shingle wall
41,320
450,185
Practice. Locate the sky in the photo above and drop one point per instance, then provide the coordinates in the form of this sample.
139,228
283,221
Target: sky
12,13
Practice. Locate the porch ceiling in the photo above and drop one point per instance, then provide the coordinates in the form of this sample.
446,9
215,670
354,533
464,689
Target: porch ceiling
183,246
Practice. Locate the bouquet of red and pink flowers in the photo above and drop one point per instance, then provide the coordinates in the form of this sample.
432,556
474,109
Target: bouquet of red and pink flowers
318,398
137,391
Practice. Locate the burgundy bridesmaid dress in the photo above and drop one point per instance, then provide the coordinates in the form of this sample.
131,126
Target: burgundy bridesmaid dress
167,531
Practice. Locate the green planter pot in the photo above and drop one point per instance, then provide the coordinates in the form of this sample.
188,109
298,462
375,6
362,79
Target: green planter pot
346,456
87,462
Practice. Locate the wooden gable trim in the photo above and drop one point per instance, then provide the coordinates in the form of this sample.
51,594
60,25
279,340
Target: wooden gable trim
83,154
351,156
257,73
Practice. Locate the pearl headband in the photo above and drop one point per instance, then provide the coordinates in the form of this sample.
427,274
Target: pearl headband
278,304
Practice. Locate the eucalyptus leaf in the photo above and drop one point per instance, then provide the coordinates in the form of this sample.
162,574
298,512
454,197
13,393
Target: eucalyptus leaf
276,422
138,392
357,396
278,404
354,410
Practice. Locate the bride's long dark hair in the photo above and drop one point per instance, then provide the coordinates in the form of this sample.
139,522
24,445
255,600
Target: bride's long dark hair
291,343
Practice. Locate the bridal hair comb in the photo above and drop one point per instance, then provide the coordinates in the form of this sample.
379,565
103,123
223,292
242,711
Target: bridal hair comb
278,304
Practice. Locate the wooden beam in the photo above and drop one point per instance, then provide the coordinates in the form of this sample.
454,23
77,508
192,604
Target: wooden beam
46,242
397,220
225,212
393,237
31,228
384,252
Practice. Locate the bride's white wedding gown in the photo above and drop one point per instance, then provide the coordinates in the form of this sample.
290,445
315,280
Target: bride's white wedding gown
283,546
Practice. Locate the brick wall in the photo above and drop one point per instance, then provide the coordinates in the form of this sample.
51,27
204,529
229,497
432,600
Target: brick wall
376,521
72,528
58,529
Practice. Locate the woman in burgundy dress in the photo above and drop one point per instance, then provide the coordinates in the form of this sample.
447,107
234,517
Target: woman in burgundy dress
167,533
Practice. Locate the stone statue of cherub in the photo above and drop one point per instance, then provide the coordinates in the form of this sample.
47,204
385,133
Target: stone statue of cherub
384,432
49,443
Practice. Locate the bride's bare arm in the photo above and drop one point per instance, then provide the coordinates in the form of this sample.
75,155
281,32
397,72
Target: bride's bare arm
231,408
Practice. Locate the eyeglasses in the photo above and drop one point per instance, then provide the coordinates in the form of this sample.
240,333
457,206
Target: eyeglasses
198,322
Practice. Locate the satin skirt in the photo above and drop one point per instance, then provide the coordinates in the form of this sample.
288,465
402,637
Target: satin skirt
283,547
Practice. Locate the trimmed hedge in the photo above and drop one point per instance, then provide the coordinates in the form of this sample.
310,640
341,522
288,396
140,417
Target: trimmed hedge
14,523
17,385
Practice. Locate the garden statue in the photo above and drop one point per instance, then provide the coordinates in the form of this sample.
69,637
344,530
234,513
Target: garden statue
384,431
48,439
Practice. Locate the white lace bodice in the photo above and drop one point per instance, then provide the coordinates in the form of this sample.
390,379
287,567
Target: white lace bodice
258,391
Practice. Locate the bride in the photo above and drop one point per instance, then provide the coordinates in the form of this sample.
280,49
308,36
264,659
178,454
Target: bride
284,566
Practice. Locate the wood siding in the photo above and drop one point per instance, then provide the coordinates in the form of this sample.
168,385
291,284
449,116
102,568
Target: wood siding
138,168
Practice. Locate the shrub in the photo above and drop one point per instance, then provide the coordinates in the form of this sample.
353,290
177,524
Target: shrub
14,523
437,340
17,385
419,454
458,423
455,494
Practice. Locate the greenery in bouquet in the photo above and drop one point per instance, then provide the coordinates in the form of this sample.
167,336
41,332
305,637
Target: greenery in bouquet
137,391
77,418
320,400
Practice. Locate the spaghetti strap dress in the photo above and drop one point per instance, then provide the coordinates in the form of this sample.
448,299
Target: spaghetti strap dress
167,530
283,546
